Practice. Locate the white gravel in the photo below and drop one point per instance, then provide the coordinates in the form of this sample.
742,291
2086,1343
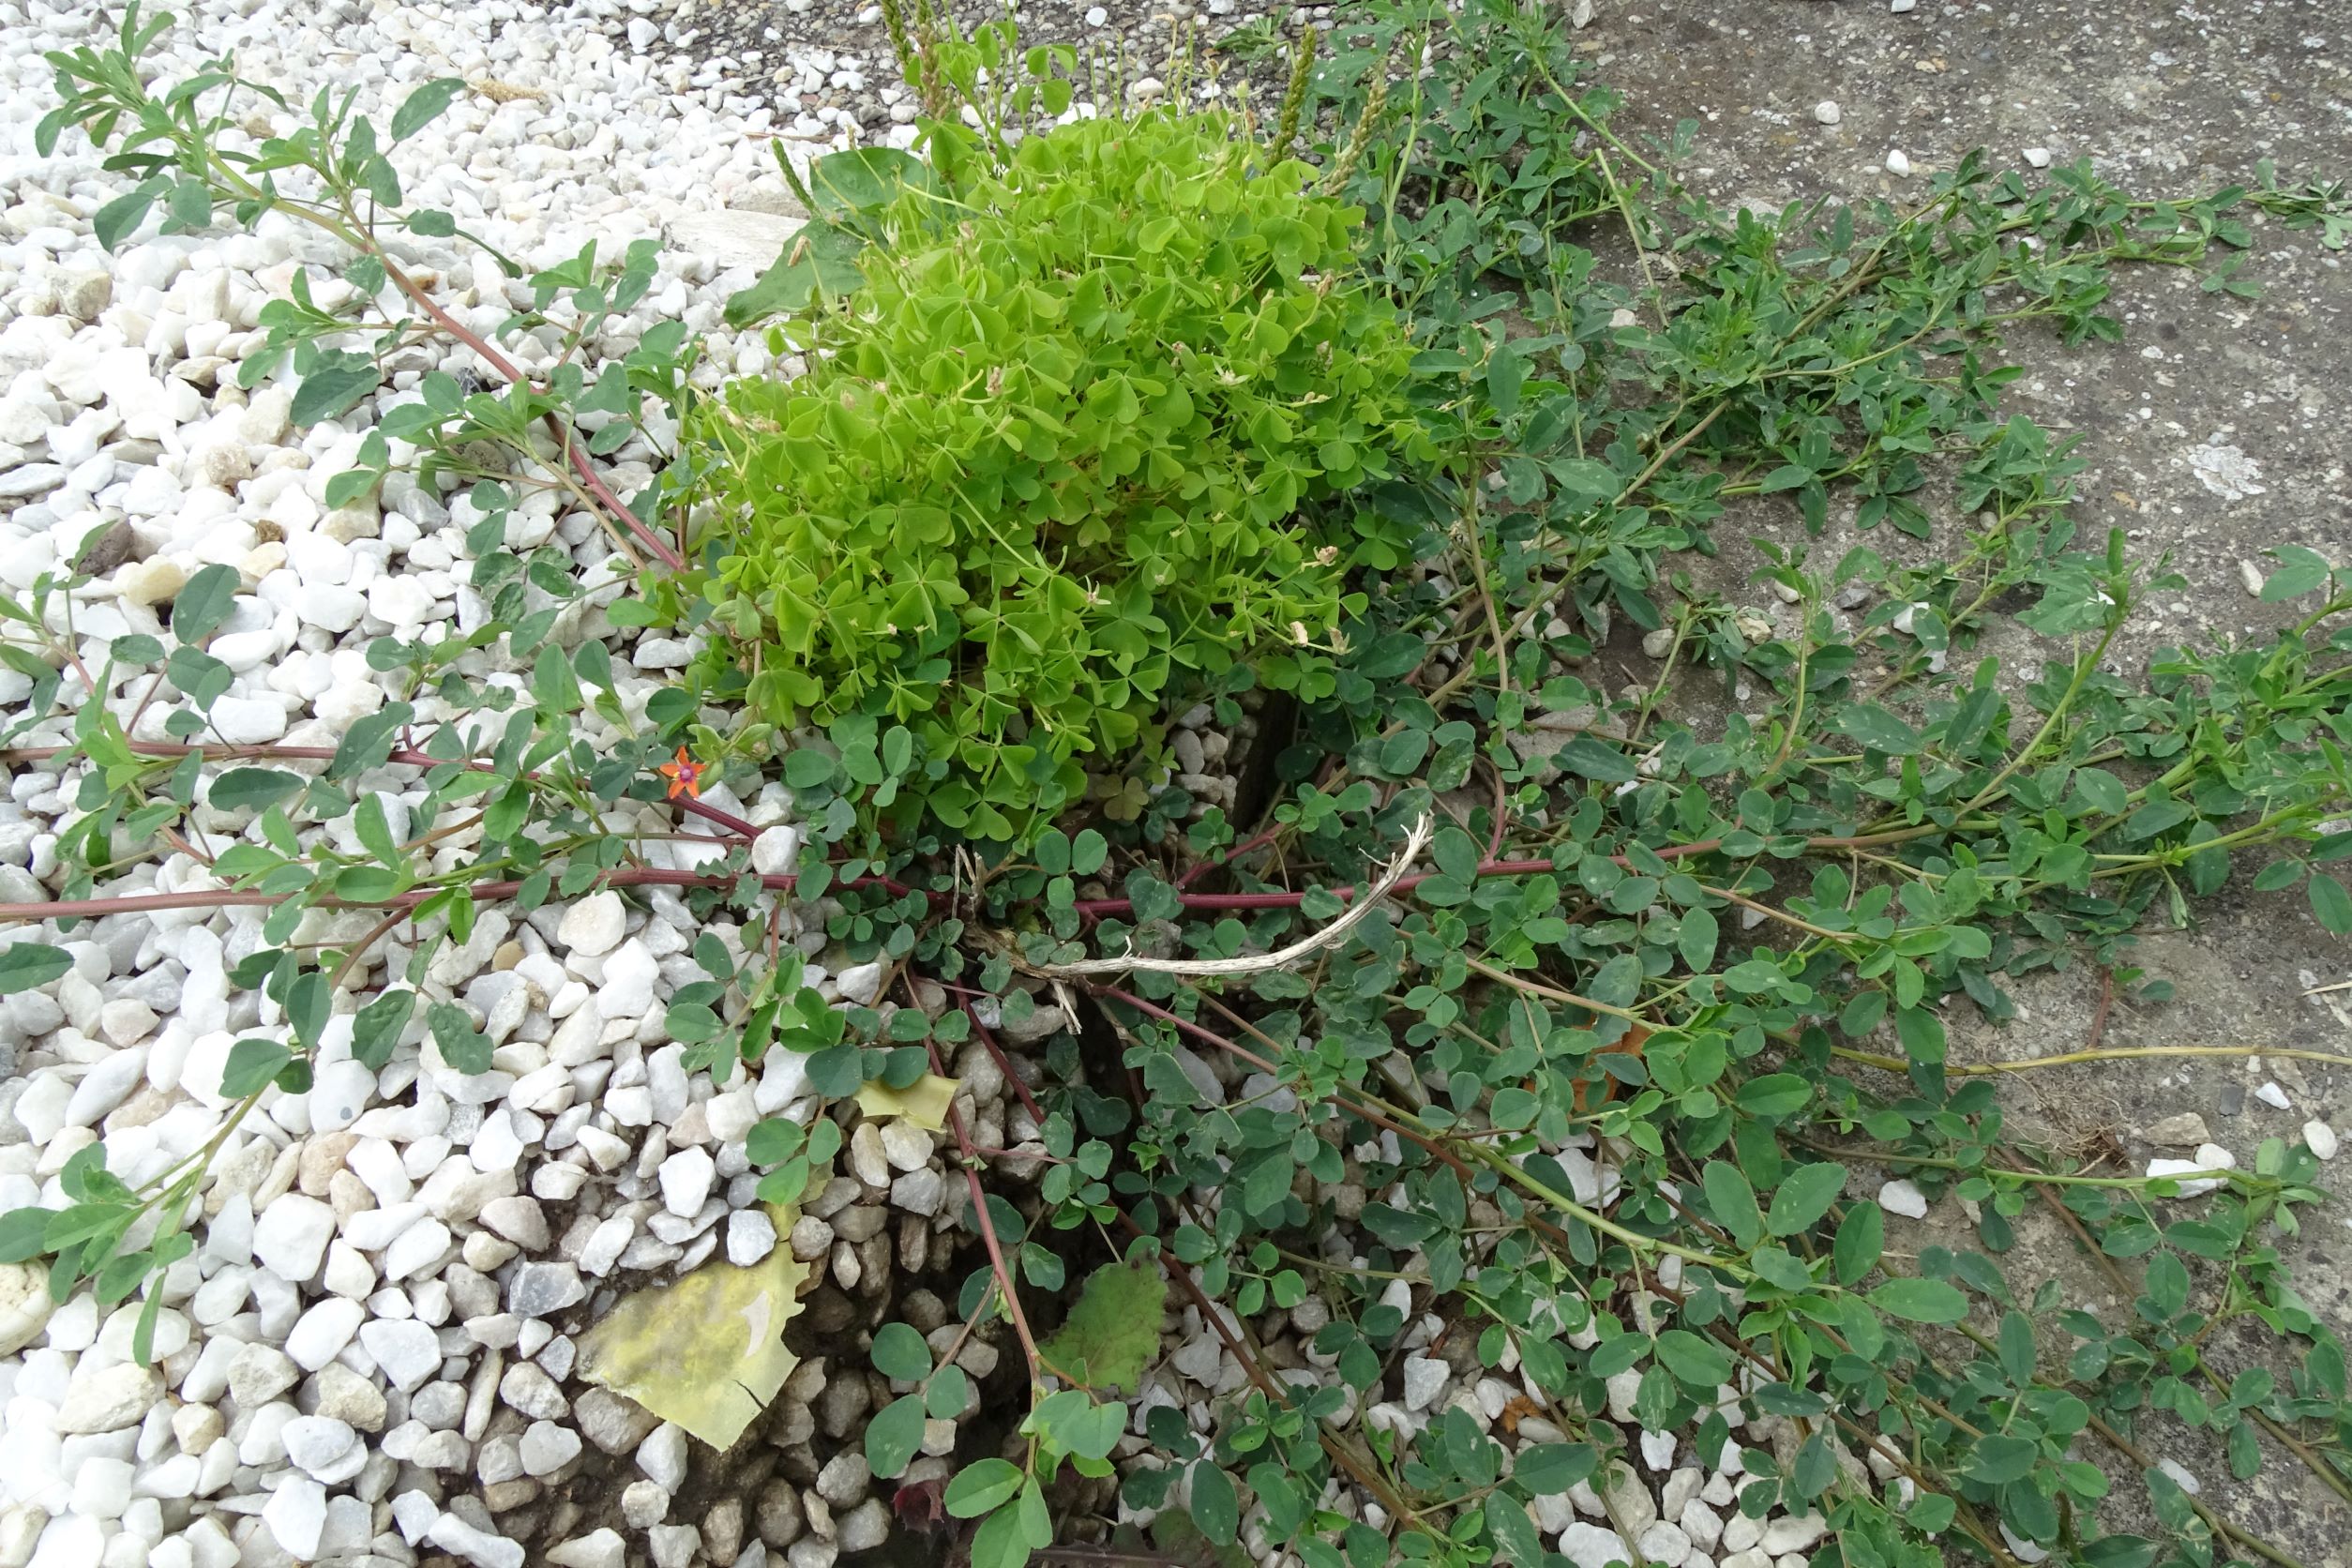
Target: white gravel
366,1359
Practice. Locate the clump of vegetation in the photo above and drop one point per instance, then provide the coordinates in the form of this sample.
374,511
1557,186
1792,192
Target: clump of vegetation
1125,409
1077,432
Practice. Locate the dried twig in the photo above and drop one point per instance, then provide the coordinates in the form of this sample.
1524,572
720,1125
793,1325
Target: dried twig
2099,1018
1129,963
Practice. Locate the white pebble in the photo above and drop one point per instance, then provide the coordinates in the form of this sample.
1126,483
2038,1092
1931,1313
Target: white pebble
861,983
686,1182
599,1549
629,975
919,1192
594,925
477,1546
290,1238
2196,1186
663,1456
402,602
1793,1533
321,1334
750,1237
547,1447
776,851
1905,1198
1591,1546
408,1351
102,1488
907,1146
321,1445
1424,1377
1664,1545
297,1516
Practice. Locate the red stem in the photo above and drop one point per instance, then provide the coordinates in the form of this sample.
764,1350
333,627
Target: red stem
506,367
996,1251
987,1227
1094,909
2099,1018
406,756
486,892
1006,1066
1257,842
1207,1036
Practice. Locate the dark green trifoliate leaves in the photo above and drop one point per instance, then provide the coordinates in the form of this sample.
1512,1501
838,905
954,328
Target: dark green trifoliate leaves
1803,1196
461,1044
900,1352
424,104
250,788
24,965
895,1435
1732,1202
1921,1301
377,1029
253,1063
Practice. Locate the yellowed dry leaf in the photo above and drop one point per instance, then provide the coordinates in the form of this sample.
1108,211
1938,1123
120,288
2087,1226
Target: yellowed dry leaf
708,1351
496,91
924,1103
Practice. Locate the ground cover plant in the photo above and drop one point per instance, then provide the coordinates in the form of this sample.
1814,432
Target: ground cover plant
1588,1084
1064,453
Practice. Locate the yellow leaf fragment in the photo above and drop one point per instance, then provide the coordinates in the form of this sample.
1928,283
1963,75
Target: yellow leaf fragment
708,1351
924,1103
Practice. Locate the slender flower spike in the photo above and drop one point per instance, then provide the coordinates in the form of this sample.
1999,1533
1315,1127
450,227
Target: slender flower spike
685,776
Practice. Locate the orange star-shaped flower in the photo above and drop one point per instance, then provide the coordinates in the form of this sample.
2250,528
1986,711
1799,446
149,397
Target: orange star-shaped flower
685,776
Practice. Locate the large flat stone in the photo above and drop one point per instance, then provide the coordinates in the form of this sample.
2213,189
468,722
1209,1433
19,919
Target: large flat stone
732,236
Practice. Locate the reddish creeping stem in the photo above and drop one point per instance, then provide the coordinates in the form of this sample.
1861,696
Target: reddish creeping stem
1095,909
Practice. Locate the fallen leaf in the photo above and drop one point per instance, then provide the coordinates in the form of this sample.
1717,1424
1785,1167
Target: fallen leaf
924,1102
497,91
1114,1331
708,1351
106,548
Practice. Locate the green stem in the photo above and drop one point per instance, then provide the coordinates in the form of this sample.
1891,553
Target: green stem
1852,1154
